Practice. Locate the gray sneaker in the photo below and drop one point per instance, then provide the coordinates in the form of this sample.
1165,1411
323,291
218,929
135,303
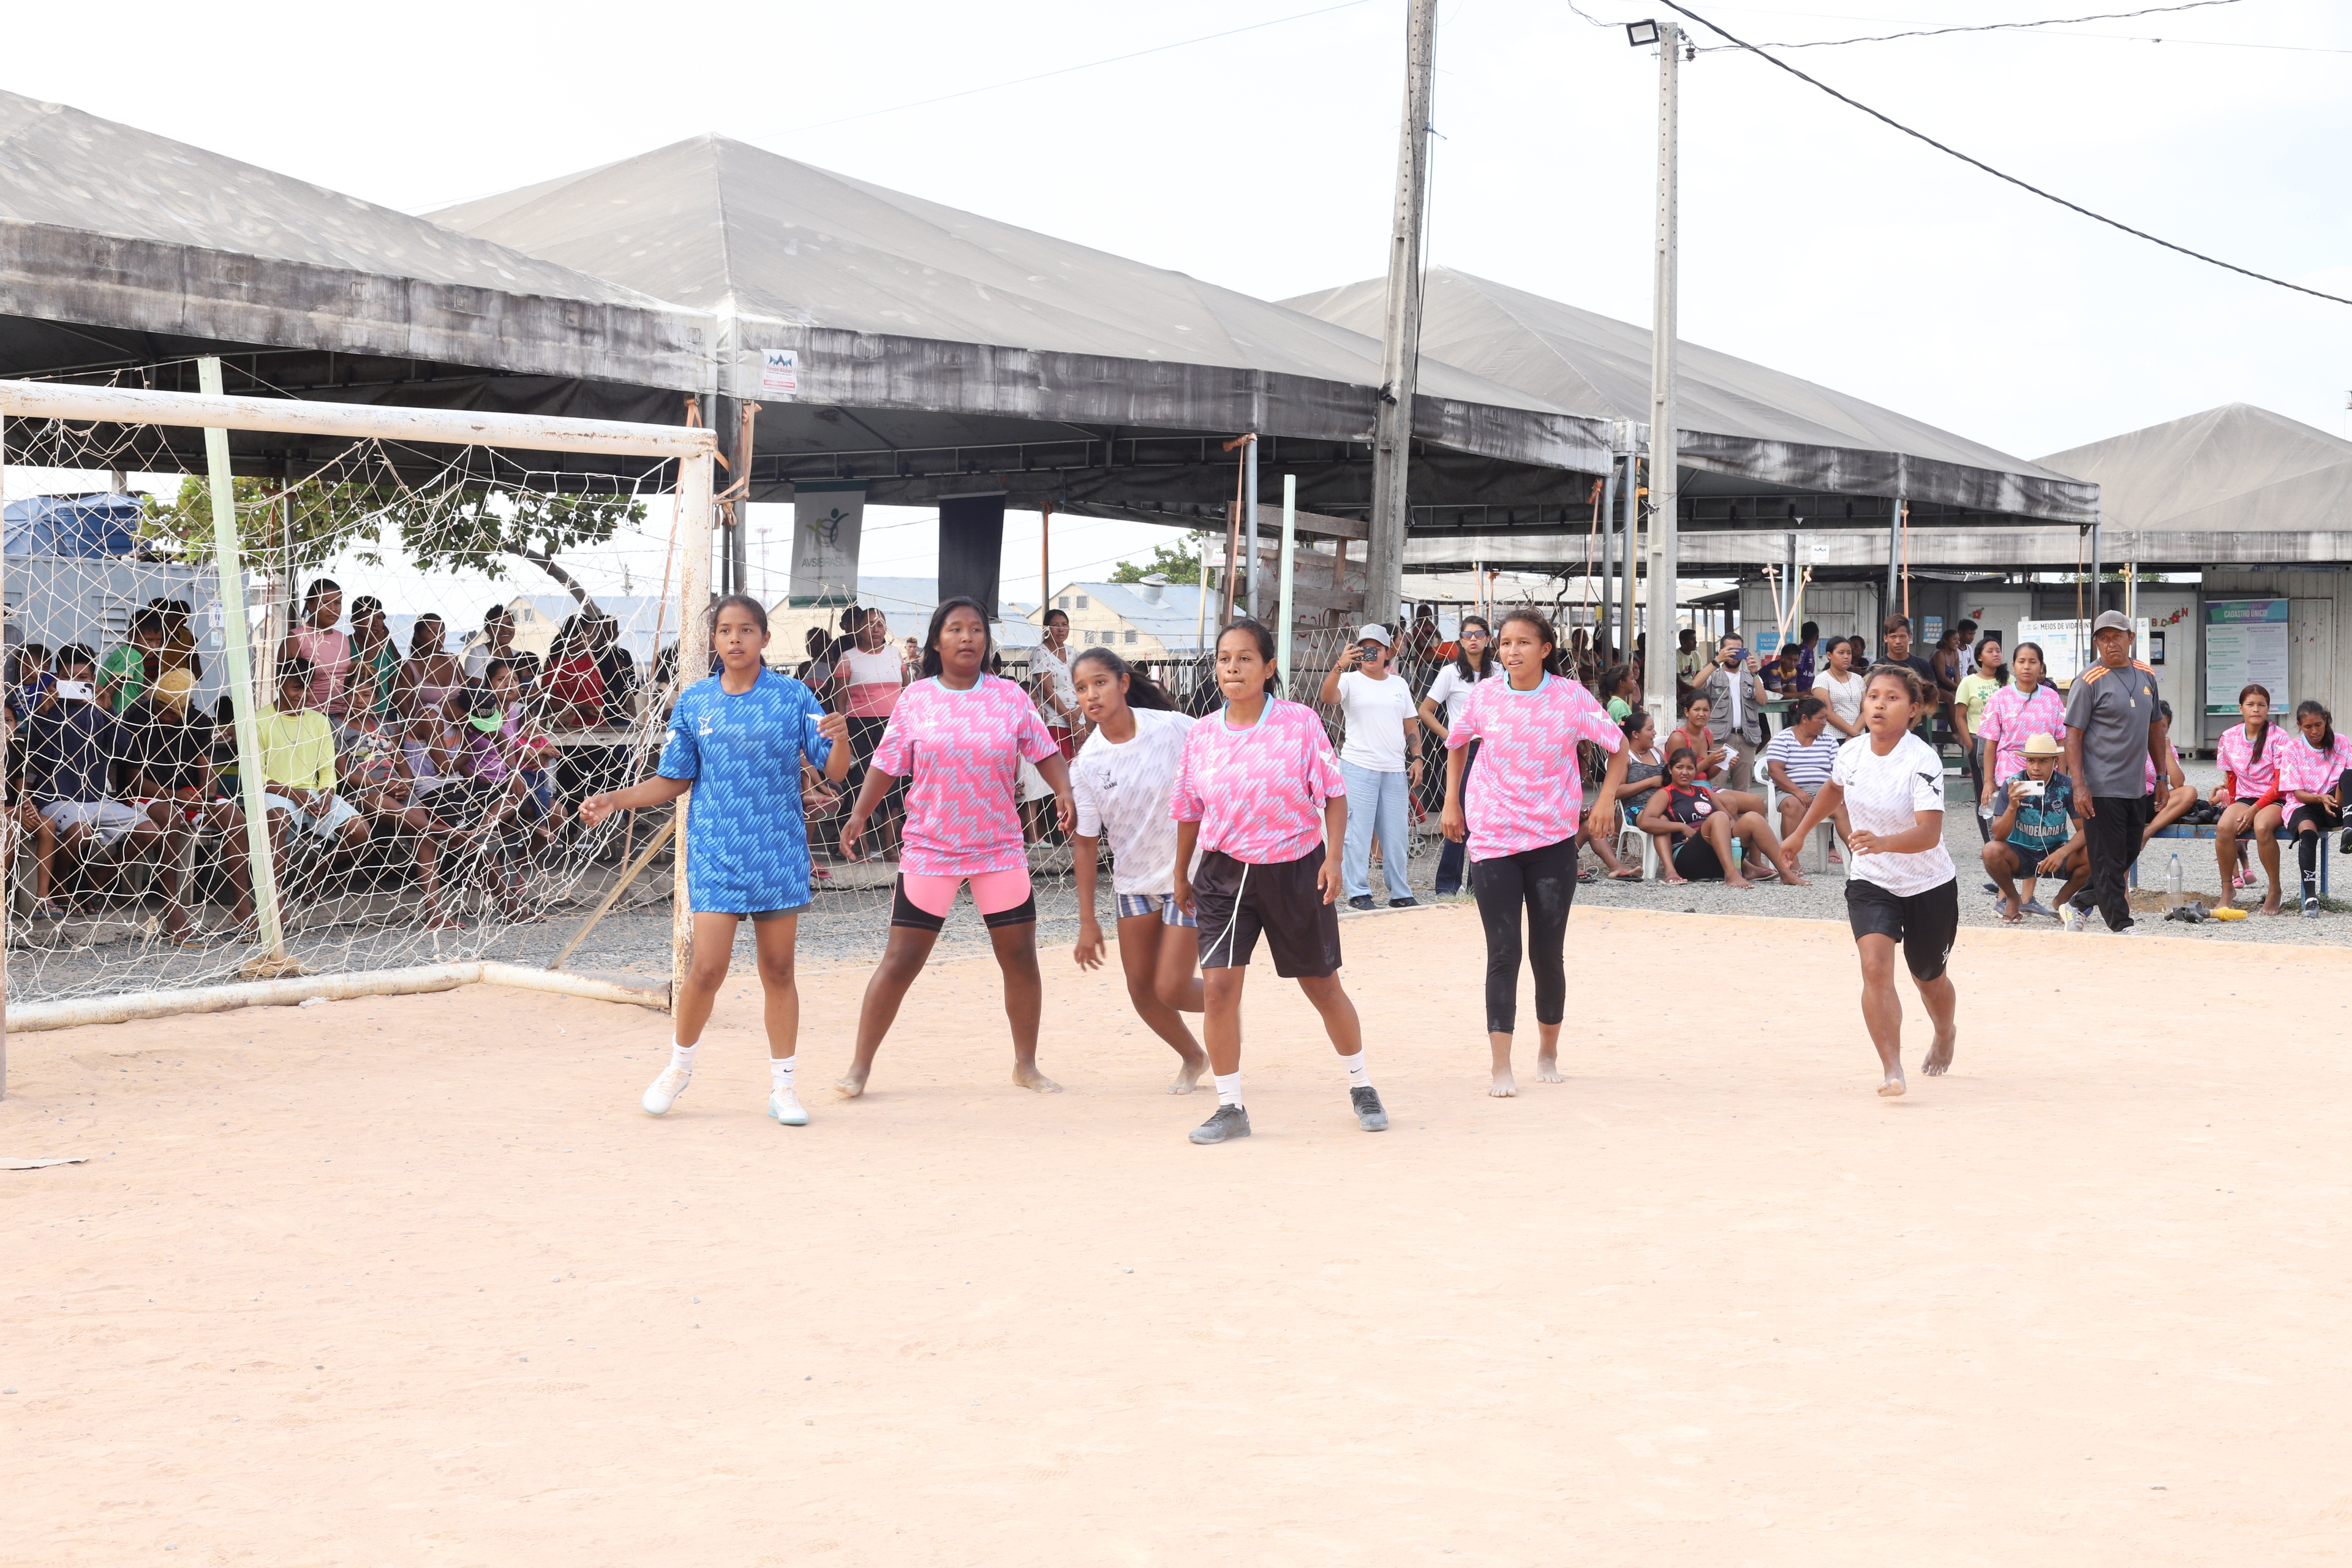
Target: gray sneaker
2311,908
2036,906
1230,1122
1369,1114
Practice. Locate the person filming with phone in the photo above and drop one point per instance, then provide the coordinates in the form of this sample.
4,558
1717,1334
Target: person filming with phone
1380,761
1734,687
2036,831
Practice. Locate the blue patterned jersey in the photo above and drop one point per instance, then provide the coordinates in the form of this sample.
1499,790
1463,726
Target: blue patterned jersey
746,837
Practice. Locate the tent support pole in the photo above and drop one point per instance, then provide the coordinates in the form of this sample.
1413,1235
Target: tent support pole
1283,616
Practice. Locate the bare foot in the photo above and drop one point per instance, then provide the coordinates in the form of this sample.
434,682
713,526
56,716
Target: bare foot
1026,1075
1505,1086
1188,1076
1547,1070
2271,904
1894,1084
1742,883
851,1084
1674,881
1792,877
1939,1055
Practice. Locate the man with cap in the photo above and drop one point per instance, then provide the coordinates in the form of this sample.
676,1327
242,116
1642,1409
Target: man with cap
2036,831
168,752
1381,760
2114,731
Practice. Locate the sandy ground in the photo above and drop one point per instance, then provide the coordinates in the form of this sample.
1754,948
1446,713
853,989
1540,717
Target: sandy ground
413,1281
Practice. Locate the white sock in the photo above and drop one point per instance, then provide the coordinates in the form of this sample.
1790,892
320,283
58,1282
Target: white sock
1357,1076
1229,1088
780,1072
682,1057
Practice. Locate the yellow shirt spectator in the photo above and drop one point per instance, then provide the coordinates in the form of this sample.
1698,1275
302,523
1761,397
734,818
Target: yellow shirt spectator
298,750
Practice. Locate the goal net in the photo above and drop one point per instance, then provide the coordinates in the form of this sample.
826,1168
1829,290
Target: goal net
347,728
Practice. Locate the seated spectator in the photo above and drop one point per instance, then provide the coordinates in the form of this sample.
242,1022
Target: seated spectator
329,650
2172,797
431,673
2036,831
616,669
1619,688
375,659
375,778
179,646
124,673
70,746
1800,759
34,683
1646,771
1784,676
2315,766
22,820
298,770
169,757
575,686
1714,759
1689,814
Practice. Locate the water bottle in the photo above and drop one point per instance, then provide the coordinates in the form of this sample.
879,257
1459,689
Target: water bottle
2172,885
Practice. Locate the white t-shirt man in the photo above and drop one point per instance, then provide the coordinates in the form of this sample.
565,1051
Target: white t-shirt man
1121,792
1452,686
1884,796
1376,712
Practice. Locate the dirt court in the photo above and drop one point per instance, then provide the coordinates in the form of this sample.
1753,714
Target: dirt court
414,1281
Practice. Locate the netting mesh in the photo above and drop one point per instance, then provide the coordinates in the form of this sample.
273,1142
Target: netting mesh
447,654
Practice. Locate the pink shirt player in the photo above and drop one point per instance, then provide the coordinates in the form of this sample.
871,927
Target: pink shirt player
2254,776
2011,718
2303,766
961,753
1258,793
1526,791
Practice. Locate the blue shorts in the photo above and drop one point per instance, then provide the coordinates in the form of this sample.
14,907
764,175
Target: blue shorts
1130,905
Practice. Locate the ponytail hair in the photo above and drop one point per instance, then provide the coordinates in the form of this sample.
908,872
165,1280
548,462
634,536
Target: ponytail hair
1485,655
1545,633
1261,634
2309,706
939,622
1905,674
1142,691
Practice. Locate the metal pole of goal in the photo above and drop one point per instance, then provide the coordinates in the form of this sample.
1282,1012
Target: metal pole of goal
693,662
228,560
1286,615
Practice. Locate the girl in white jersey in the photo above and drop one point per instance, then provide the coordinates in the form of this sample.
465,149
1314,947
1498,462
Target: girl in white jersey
1120,780
1901,890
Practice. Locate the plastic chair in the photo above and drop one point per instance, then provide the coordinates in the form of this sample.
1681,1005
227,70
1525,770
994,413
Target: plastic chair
1648,845
1819,843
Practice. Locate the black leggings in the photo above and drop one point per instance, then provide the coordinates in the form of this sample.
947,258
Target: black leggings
2309,825
1543,882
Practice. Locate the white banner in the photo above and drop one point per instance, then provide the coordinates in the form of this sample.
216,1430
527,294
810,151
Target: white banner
780,374
827,519
2062,659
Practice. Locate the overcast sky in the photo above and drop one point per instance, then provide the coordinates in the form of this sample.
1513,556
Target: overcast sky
1814,239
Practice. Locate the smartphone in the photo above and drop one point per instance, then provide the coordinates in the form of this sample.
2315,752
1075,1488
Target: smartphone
2027,789
1367,650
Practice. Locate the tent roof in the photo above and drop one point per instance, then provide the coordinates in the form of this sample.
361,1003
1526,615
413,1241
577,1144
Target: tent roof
898,303
2236,468
1739,419
108,226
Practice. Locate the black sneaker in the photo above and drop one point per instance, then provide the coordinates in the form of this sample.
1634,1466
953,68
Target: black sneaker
1369,1114
1361,901
2344,845
1407,902
1230,1122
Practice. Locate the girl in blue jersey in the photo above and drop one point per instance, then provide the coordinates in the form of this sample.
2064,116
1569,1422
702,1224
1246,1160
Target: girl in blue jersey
738,739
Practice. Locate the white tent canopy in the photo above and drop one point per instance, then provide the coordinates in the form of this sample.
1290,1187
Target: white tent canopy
1747,429
2234,484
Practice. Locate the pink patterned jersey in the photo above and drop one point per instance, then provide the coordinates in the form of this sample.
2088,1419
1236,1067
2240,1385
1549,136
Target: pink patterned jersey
2011,718
964,751
2303,766
1526,791
2235,752
2147,768
1258,793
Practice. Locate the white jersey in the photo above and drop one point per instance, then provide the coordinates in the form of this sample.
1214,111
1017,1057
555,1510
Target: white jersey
1884,796
1122,791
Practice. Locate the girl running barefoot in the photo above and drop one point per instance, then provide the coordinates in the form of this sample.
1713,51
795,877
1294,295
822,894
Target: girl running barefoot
1121,781
960,736
1902,889
1259,795
736,740
1519,813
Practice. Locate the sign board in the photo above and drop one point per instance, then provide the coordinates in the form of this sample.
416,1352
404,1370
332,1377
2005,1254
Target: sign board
2245,645
1931,630
780,373
2063,656
828,516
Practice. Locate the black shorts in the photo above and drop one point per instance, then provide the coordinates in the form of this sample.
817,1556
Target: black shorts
1237,902
1926,924
2318,819
1695,858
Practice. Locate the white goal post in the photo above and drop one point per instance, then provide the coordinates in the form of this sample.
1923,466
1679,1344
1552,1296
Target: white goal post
692,447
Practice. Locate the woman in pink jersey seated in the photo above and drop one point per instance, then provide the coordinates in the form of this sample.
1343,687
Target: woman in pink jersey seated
1258,794
959,736
1519,814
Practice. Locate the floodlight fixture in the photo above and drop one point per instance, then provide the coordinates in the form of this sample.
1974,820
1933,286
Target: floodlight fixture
1642,35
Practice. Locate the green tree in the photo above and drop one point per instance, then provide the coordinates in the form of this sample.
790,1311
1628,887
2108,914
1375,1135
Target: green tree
1179,563
453,527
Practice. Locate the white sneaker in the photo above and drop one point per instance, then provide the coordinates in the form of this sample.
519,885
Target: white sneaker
666,1088
785,1107
2070,917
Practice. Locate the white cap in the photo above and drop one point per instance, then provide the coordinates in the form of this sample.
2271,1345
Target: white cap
1373,632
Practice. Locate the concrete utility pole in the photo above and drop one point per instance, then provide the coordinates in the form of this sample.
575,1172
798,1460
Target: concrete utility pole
1665,546
1392,434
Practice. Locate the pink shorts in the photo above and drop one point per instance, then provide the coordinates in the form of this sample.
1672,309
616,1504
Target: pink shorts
1003,897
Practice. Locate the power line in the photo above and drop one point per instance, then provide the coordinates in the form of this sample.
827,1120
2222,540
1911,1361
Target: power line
1983,27
1996,174
1089,65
